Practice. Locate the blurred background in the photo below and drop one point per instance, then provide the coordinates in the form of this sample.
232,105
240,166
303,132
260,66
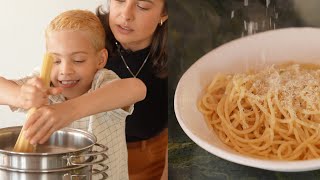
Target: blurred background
197,27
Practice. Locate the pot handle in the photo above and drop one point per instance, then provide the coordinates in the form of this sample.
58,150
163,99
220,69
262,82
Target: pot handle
94,172
101,171
71,158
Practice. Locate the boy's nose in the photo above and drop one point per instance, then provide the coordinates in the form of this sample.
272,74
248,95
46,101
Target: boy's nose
66,68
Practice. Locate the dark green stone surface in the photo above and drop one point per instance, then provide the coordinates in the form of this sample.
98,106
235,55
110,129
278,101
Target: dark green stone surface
195,28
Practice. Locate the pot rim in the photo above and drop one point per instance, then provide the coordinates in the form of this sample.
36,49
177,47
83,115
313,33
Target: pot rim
91,136
68,168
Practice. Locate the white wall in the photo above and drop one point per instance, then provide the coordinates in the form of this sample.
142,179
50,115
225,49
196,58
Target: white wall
22,44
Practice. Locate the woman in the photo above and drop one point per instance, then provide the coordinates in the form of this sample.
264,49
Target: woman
136,41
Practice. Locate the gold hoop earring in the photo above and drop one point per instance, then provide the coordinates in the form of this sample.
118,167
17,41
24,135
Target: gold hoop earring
161,22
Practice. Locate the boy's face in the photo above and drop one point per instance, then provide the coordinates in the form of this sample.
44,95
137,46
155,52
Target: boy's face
75,61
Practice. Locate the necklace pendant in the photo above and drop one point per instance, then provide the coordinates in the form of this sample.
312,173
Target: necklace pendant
125,63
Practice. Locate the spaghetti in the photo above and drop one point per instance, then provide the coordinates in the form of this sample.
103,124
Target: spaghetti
270,114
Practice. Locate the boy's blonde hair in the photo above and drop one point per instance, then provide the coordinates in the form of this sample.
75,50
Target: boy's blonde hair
80,20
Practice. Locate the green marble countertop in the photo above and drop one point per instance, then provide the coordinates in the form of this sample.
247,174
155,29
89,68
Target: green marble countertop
195,28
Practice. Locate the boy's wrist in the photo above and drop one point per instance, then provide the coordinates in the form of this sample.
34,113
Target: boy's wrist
18,102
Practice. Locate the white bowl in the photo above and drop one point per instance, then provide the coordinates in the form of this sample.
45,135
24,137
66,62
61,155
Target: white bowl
256,51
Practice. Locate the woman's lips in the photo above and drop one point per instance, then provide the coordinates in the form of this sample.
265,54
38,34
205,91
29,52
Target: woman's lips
68,83
124,29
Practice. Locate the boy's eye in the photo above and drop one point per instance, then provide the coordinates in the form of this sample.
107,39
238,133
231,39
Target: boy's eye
79,61
56,61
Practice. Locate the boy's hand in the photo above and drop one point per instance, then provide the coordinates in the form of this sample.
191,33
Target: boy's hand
34,93
45,121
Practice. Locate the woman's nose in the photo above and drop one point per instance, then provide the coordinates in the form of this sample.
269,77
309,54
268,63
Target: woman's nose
128,12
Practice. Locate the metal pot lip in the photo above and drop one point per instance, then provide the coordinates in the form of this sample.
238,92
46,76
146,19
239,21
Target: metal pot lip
67,129
68,168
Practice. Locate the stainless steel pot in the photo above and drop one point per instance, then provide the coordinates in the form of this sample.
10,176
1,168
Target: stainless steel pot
72,173
66,155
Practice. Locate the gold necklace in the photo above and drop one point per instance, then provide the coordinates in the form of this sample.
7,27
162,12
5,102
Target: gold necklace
125,63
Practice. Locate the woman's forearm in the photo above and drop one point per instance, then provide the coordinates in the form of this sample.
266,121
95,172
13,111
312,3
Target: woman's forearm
9,91
116,94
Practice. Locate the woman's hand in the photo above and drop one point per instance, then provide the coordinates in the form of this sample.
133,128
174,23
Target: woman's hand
45,121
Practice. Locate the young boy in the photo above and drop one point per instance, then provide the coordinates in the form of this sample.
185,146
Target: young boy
83,94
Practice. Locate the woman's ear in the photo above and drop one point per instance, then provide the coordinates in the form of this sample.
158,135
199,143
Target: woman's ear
163,19
103,57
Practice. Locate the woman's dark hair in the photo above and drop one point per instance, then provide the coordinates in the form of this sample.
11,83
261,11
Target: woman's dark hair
158,48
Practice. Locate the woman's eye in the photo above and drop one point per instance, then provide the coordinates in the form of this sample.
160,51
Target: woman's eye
143,8
144,5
